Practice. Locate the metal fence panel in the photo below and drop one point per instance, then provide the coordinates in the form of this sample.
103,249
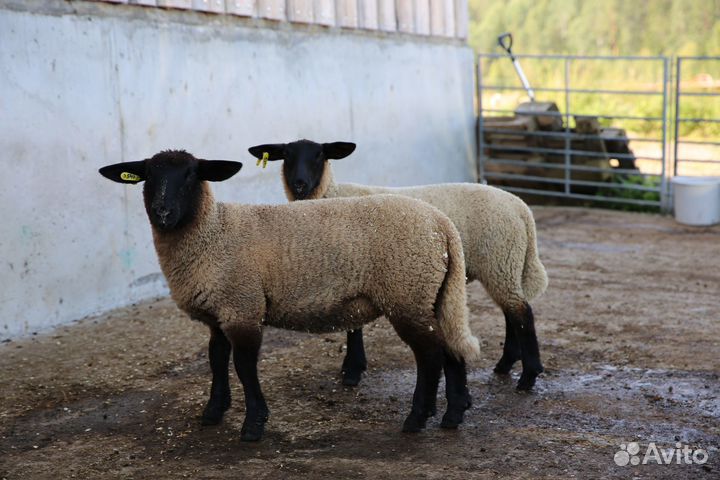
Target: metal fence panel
696,150
569,146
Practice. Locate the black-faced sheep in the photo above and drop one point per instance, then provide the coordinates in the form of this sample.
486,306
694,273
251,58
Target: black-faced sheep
497,230
237,267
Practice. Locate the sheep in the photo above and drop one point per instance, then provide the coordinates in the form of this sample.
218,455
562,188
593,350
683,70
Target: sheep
497,229
238,267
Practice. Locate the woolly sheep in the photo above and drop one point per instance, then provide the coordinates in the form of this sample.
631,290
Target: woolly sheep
237,267
498,233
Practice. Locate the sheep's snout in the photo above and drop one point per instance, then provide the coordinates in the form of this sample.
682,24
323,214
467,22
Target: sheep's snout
300,187
163,216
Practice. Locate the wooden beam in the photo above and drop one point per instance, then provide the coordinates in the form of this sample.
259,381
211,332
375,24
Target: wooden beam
461,18
272,9
387,21
175,3
368,14
300,11
347,13
246,8
405,16
215,6
324,12
422,17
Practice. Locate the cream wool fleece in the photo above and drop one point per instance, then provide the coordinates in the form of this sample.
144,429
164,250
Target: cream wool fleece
298,265
497,230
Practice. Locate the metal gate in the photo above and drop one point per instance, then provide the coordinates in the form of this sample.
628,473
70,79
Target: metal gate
599,132
697,84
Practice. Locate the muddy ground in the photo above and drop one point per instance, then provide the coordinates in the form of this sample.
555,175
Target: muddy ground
629,334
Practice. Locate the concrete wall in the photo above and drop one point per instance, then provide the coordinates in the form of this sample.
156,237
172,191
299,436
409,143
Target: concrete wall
85,84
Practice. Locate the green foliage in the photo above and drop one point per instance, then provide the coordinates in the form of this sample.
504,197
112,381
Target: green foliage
629,180
604,27
599,27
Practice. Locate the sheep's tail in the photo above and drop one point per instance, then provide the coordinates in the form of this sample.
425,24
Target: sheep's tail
534,278
451,305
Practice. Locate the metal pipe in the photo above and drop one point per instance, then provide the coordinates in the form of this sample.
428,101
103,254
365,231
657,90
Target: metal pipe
577,90
567,126
580,196
481,126
664,193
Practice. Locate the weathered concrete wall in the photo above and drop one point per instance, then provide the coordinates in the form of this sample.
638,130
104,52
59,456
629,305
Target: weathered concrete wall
81,90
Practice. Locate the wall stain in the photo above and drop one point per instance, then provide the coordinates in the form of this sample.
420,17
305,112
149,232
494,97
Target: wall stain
127,258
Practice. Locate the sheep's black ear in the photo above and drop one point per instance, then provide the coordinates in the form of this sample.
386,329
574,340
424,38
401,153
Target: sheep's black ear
217,170
275,151
337,150
127,172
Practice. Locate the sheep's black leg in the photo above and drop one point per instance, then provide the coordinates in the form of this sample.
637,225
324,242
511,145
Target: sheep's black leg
511,348
355,362
524,324
219,356
246,348
456,391
429,366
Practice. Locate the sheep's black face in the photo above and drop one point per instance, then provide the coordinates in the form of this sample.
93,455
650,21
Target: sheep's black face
303,167
304,162
173,181
171,190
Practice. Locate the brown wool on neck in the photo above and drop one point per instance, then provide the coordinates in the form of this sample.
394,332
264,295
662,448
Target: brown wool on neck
326,183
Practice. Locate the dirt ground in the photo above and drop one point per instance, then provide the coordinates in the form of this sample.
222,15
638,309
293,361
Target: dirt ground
629,336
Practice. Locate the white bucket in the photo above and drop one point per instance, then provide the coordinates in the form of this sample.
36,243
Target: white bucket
696,200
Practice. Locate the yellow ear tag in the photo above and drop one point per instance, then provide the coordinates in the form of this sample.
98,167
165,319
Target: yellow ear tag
264,160
130,177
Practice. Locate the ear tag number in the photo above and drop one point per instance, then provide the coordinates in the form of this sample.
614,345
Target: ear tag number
130,177
264,160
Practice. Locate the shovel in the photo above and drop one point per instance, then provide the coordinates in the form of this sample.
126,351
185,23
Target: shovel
505,41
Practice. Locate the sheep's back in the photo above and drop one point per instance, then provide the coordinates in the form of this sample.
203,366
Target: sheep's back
349,259
492,222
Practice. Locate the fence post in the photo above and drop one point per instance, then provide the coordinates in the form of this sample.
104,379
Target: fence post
480,125
677,113
664,191
567,125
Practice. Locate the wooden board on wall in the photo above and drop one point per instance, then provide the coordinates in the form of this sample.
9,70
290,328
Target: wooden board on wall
216,6
387,21
422,17
449,9
324,12
271,9
147,3
437,17
246,8
405,16
347,13
300,11
368,14
461,18
175,3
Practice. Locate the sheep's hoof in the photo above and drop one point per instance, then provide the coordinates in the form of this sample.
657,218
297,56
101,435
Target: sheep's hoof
452,419
350,378
414,423
253,429
504,366
454,416
214,411
351,374
527,378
